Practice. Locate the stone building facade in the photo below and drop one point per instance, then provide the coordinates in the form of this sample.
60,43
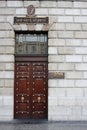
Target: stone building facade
67,53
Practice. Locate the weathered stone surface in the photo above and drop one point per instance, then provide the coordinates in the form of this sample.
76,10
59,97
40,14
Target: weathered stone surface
65,4
74,92
2,18
80,4
56,58
80,19
80,34
57,92
81,50
52,50
74,75
7,74
23,27
81,83
10,19
31,28
53,83
65,19
7,42
9,83
35,3
5,26
73,42
48,4
6,111
15,4
7,11
52,34
66,66
58,26
2,3
2,50
6,58
60,110
1,83
84,27
17,27
73,26
6,34
55,11
85,74
81,66
42,11
56,42
65,34
72,12
65,50
85,89
9,66
7,91
52,66
39,27
7,100
74,58
21,11
66,83
9,50
66,101
84,41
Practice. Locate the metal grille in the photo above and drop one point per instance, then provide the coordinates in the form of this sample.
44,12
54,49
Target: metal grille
31,43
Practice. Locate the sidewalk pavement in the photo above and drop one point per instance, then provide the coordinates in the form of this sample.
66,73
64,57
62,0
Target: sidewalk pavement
43,125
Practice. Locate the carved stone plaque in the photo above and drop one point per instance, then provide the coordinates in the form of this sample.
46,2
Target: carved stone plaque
56,75
31,20
30,10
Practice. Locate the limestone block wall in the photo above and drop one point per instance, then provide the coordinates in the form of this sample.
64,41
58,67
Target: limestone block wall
6,70
67,52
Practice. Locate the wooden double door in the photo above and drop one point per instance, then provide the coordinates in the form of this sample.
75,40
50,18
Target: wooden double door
31,91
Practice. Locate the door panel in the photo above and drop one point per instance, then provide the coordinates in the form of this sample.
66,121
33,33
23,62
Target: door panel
21,98
30,100
22,82
39,90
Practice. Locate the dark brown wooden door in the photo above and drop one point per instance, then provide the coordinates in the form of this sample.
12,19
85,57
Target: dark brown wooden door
31,91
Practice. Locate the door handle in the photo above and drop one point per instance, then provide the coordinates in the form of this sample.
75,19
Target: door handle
39,98
22,99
